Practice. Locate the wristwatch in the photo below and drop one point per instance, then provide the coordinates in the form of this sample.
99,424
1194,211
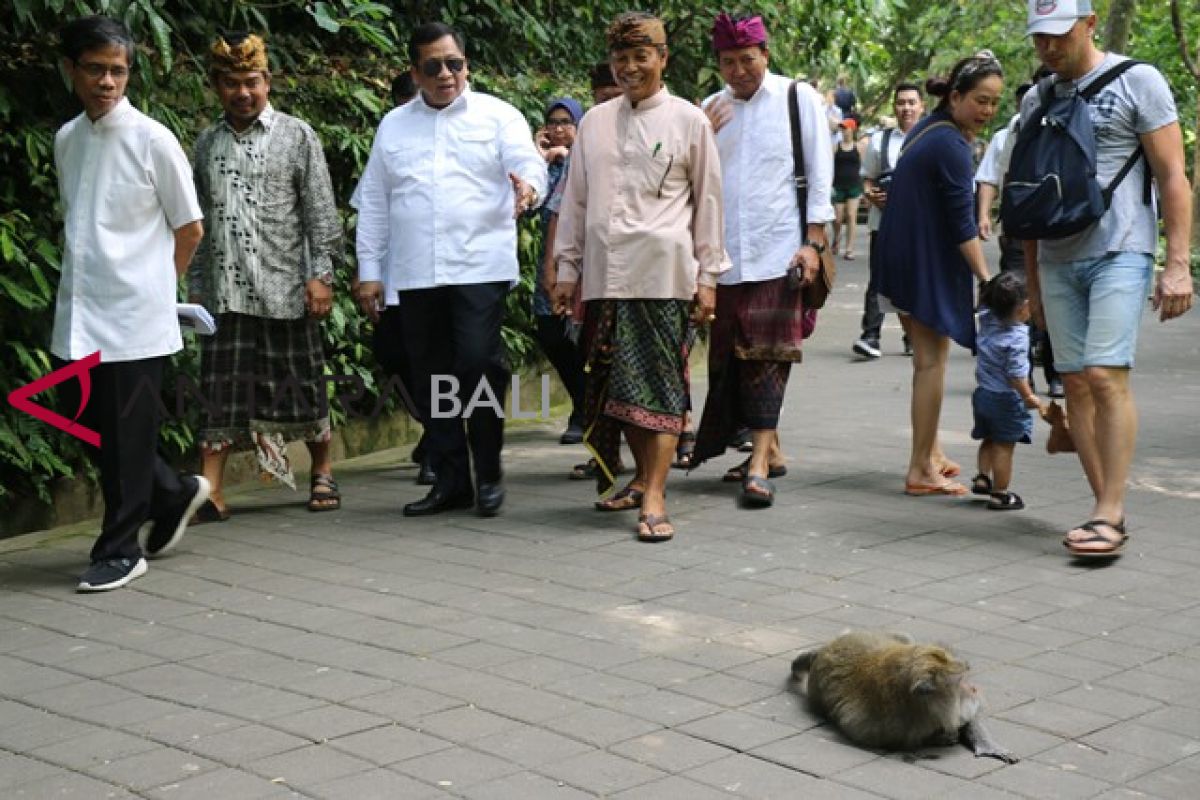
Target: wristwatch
818,246
325,277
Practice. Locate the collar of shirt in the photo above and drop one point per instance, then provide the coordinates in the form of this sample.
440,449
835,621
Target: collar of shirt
653,101
458,104
120,111
266,120
770,86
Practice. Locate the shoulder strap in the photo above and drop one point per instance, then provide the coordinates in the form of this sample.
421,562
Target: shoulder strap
799,172
1108,77
886,147
913,140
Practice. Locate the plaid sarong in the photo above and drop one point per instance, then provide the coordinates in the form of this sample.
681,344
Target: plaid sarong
754,340
263,376
636,373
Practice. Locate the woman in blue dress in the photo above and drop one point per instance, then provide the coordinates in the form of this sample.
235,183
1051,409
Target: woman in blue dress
929,250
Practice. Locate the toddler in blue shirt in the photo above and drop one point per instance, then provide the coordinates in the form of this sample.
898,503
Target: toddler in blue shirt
1004,396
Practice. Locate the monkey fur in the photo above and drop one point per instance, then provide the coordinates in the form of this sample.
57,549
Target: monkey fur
884,691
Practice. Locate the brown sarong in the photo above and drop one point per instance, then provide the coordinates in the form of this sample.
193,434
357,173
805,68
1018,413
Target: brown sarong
754,340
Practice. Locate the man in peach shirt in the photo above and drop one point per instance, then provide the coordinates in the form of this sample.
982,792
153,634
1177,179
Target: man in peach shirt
641,224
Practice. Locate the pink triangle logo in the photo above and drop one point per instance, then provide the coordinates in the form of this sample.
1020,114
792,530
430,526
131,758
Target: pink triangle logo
20,398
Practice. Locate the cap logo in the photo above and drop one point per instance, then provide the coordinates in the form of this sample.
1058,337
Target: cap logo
1044,7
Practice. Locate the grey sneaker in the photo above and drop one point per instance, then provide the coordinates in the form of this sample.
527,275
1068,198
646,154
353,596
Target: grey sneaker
160,537
104,576
867,348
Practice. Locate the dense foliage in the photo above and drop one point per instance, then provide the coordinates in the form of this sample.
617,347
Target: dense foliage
333,61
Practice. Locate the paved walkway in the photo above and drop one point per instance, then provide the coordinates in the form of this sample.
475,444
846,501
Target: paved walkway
546,654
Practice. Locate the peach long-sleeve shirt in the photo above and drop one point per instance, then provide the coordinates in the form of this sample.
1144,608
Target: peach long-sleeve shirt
641,216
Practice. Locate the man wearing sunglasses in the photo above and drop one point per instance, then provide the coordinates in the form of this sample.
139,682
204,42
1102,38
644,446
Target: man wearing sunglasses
448,175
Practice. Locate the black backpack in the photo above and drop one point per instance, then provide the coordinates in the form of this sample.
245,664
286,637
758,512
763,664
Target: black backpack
1050,190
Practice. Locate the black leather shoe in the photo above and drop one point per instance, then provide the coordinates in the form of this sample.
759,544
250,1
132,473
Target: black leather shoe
425,474
438,501
489,499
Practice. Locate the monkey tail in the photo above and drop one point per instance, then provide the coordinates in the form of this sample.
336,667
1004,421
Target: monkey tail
802,664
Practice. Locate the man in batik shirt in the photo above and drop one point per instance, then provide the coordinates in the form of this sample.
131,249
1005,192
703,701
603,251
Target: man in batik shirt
265,270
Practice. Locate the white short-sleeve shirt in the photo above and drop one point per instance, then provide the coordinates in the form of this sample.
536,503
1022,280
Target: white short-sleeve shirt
126,186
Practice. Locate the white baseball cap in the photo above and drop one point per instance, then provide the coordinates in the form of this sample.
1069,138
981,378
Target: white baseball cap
1055,17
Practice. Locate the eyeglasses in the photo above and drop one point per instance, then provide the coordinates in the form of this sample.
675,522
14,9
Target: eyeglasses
433,67
97,71
559,123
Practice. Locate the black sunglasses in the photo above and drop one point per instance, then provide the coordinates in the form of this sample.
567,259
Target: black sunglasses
433,67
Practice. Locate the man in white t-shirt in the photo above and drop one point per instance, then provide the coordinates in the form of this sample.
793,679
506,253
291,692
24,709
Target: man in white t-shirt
883,150
132,225
1090,288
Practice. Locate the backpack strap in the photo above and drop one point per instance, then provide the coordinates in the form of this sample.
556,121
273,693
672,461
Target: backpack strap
886,147
1094,88
799,171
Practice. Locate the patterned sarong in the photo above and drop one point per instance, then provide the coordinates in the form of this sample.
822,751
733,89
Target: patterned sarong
635,374
756,337
263,385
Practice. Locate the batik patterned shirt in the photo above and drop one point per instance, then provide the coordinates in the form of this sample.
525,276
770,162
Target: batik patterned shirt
271,219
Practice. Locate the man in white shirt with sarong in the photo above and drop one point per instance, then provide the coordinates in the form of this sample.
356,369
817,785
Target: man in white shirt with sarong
761,321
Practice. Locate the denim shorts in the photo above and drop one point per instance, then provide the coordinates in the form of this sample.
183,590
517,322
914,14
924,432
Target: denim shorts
1001,417
1093,308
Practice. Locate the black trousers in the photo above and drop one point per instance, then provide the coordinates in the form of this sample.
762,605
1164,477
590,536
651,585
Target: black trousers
872,319
388,344
455,330
136,482
565,357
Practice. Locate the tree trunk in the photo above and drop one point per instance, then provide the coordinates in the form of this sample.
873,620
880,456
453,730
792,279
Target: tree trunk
1120,20
1196,187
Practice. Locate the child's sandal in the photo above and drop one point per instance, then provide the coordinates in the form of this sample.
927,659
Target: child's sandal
1005,501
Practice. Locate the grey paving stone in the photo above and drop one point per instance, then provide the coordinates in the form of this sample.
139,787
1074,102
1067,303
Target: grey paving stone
671,751
405,703
1034,779
747,776
530,746
725,690
1062,720
601,773
600,726
16,770
672,788
1113,702
389,744
308,766
151,768
737,730
1175,782
244,745
525,786
378,784
1163,747
69,785
225,783
456,768
1112,767
98,747
820,752
328,722
897,778
1183,721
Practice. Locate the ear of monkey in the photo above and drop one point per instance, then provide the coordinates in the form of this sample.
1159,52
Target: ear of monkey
883,690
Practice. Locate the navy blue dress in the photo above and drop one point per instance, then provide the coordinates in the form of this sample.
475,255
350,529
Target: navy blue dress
930,211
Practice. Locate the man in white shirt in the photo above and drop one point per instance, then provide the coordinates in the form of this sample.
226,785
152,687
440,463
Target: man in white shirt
131,215
760,321
436,204
883,151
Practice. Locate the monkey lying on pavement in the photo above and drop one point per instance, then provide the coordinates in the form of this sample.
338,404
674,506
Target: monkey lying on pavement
884,691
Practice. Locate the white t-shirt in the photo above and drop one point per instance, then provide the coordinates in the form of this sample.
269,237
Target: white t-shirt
1137,102
873,165
126,186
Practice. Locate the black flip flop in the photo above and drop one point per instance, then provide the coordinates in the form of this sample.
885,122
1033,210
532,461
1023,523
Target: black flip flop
209,512
738,474
1115,548
981,485
763,498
